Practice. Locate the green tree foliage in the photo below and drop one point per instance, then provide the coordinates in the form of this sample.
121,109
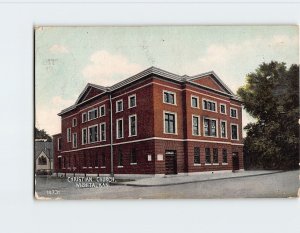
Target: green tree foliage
271,95
41,134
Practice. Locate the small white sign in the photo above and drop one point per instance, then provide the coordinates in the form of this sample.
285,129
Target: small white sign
160,157
149,158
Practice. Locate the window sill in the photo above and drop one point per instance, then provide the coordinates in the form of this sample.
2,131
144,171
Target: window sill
197,164
133,163
96,167
119,111
209,110
208,164
132,107
90,167
195,107
119,138
234,117
130,136
234,139
120,167
215,163
224,163
196,135
170,133
170,104
83,167
102,167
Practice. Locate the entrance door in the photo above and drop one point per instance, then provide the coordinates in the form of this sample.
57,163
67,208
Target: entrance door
171,162
59,163
235,161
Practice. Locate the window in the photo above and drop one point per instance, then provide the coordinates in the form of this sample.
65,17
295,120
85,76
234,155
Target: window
120,158
223,129
133,156
223,108
169,97
93,114
103,160
74,122
196,155
102,110
74,140
132,125
234,132
93,133
196,125
207,156
102,131
215,156
120,131
42,160
169,123
119,106
84,136
131,101
195,101
58,144
224,155
210,127
84,117
209,105
68,134
233,112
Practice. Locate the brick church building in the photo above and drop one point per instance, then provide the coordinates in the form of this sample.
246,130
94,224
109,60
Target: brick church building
154,122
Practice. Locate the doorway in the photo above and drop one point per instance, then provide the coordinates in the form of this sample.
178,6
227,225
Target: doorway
171,162
235,161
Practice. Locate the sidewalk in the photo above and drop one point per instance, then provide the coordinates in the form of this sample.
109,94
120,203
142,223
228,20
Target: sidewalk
193,178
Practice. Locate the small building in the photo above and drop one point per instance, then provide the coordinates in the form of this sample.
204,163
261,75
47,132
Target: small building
43,156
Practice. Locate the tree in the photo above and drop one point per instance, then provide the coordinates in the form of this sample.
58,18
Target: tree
41,134
271,96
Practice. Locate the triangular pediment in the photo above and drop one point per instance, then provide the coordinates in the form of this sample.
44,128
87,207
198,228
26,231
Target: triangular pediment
89,92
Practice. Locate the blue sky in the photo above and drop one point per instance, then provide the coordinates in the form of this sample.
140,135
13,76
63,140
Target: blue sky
69,57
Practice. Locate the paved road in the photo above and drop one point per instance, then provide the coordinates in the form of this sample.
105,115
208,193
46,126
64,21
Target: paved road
284,184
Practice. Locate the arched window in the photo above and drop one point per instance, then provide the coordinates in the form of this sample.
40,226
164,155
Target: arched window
42,160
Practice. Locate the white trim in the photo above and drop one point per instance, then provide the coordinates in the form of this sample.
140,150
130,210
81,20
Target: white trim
120,166
117,128
217,128
169,92
88,114
73,145
82,121
133,95
91,126
100,134
102,106
237,117
237,131
86,134
118,101
129,125
175,118
199,128
226,133
222,104
74,118
58,140
133,163
198,103
215,102
69,135
102,167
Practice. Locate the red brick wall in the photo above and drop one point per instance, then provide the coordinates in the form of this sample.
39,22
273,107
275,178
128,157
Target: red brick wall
208,82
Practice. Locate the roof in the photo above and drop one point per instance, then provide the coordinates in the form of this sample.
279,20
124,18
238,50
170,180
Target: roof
46,147
159,72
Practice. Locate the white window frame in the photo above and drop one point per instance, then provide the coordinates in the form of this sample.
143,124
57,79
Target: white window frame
102,106
199,128
100,135
129,125
237,115
169,92
82,118
134,95
88,115
217,128
117,128
73,145
74,118
237,131
198,103
222,104
225,129
87,136
216,104
69,135
175,114
88,133
121,100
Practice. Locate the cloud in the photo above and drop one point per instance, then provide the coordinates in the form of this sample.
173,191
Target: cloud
58,49
106,68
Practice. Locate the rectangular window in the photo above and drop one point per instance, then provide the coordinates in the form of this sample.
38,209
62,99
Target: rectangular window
195,101
234,132
84,136
233,112
223,108
223,129
102,110
103,160
133,156
58,144
210,127
74,122
132,125
84,117
207,156
132,101
120,158
196,155
68,134
119,106
196,125
93,133
93,114
224,154
102,132
170,123
215,156
120,130
74,140
209,105
169,97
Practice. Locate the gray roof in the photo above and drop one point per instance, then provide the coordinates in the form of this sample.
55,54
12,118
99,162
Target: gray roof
40,146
